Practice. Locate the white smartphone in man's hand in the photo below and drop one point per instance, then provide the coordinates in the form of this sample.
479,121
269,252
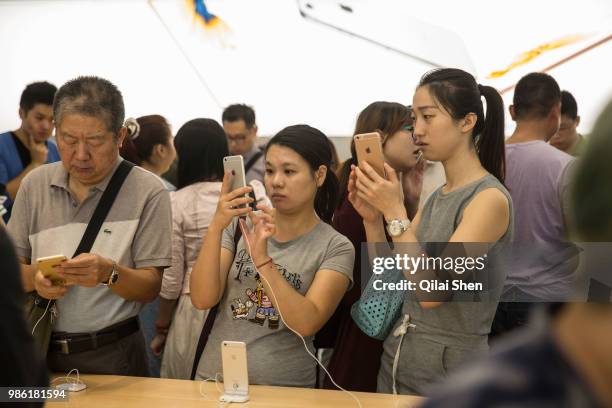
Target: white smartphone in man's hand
235,372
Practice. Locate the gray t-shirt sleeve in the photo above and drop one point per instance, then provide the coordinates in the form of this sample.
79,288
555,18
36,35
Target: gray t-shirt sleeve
19,223
340,256
152,245
227,239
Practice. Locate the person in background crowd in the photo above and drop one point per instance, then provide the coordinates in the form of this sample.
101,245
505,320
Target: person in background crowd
564,361
393,121
567,139
435,333
538,177
149,144
201,146
266,273
96,329
241,130
28,147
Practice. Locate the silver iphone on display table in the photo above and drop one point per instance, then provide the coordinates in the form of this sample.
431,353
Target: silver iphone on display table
235,372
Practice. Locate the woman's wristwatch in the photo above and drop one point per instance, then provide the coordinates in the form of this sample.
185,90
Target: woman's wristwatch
397,227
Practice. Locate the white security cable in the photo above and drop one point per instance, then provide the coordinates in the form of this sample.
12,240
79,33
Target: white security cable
246,241
41,317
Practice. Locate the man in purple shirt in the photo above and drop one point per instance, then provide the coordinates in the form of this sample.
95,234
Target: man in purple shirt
542,264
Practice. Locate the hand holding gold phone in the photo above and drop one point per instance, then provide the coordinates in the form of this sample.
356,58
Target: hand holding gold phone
368,147
48,264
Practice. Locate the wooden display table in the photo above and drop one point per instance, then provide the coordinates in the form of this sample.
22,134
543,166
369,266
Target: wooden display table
109,391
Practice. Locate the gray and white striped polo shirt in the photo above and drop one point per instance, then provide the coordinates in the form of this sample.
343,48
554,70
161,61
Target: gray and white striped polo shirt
47,220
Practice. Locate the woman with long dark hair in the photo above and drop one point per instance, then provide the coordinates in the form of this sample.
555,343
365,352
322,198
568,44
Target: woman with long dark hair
434,334
201,146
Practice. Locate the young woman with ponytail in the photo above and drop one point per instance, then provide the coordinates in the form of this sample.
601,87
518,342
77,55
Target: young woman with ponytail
305,265
435,331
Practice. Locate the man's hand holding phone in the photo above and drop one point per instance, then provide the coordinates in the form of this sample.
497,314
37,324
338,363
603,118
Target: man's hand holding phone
87,270
45,288
47,281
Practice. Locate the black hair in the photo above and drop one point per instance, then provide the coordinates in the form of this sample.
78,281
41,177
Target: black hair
37,92
459,94
201,146
91,96
313,146
535,95
238,112
569,107
153,130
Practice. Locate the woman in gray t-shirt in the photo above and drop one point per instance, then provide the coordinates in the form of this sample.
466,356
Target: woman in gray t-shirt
439,330
289,268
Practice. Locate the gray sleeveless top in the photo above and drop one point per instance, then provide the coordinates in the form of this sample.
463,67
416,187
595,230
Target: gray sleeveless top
460,323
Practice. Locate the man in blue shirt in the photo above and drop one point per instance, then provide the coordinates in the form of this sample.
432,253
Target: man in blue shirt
28,147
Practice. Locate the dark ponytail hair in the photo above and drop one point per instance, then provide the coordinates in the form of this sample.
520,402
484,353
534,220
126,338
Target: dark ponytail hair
386,118
459,94
144,134
313,146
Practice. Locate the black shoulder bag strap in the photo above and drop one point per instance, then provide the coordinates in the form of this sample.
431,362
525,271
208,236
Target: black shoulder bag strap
97,219
210,318
102,209
252,161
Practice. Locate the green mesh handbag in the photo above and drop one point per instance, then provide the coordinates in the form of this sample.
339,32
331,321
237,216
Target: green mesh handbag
376,311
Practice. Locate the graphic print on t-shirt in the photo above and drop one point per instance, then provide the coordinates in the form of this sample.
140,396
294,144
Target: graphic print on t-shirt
257,306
